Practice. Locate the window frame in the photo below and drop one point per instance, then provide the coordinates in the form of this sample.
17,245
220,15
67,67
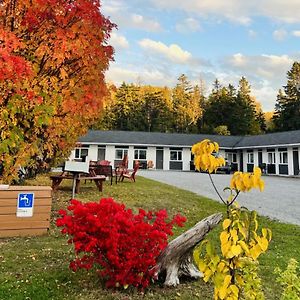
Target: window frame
283,158
271,155
79,150
250,158
138,152
178,154
124,152
231,157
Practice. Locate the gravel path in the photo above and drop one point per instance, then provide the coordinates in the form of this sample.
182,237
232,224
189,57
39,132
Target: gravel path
280,200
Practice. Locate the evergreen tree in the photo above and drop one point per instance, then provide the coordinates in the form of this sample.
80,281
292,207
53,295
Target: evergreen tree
287,108
186,105
231,108
246,110
155,110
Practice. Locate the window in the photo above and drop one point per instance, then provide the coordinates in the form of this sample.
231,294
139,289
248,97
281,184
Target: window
120,153
271,158
81,152
140,154
250,156
231,157
283,157
176,155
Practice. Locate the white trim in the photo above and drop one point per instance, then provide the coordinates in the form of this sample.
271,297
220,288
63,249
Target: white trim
149,145
265,146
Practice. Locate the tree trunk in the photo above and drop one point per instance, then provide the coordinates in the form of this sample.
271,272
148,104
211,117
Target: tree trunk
177,259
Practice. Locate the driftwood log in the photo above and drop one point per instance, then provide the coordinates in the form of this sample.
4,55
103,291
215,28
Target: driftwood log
177,258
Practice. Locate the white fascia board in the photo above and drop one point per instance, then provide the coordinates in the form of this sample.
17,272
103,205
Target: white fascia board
268,146
146,145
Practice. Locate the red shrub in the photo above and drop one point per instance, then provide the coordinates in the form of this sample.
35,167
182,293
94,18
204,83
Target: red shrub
124,246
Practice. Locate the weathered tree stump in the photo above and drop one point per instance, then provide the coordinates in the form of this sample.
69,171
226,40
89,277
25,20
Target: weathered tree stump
177,259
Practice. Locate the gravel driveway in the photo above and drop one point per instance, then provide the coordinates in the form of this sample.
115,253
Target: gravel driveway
280,200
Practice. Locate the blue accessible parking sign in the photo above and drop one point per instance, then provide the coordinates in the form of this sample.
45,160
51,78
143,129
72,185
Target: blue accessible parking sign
25,205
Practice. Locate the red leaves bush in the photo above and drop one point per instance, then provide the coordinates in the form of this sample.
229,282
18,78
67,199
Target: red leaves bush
122,245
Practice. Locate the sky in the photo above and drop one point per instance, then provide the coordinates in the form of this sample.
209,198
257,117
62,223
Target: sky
158,40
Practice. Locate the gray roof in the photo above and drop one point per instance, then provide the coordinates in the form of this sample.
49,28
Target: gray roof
270,139
154,138
178,139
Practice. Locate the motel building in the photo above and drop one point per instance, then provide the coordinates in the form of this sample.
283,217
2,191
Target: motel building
276,153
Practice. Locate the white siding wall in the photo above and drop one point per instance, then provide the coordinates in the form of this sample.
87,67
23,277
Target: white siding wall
290,161
151,155
255,155
276,161
72,156
110,154
166,158
186,158
222,153
245,160
93,152
130,157
265,156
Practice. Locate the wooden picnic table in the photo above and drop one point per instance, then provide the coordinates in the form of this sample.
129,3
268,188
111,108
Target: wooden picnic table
57,179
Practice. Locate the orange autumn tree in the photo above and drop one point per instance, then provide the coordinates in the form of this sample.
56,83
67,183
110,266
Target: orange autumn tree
53,55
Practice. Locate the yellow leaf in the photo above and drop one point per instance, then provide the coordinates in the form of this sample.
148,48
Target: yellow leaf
234,235
225,247
226,223
223,292
202,265
234,289
224,236
221,266
255,252
263,243
244,246
236,250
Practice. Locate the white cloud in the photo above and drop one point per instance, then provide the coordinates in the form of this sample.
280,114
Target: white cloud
173,52
139,21
296,33
147,75
266,74
118,41
188,25
236,10
124,16
280,34
110,7
266,95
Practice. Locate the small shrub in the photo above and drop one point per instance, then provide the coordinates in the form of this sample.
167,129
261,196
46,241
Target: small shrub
123,246
290,281
234,271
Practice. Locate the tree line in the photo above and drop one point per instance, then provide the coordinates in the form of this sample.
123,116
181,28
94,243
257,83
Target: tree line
182,109
227,110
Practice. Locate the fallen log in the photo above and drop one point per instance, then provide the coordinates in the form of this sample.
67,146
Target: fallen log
177,258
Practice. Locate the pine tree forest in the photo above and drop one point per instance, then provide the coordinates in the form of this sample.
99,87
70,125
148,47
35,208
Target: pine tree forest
227,110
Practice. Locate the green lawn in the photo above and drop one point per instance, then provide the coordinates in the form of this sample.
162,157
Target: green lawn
37,267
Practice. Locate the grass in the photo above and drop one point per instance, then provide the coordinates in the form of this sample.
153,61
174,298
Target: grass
37,267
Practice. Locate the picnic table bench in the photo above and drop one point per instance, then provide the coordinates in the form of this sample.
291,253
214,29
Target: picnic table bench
57,179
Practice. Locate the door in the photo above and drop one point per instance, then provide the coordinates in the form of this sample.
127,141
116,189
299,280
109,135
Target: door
296,162
159,159
101,153
241,161
260,159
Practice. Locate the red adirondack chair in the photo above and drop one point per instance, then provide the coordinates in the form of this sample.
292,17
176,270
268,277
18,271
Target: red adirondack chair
130,175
